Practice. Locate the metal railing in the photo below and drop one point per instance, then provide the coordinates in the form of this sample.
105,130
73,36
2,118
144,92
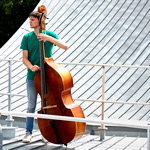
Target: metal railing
84,64
143,125
102,122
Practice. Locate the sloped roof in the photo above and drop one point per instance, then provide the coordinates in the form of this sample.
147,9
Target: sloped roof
97,32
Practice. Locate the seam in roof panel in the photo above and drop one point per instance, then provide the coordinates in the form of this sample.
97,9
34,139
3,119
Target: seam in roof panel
120,96
130,109
13,51
51,3
120,75
138,90
61,20
54,24
136,112
18,80
59,5
88,35
126,71
8,49
75,25
145,113
12,40
121,114
121,85
83,67
54,53
12,100
99,33
90,17
19,100
18,88
118,39
5,72
19,70
133,50
66,12
13,71
83,26
124,63
89,77
128,57
116,32
136,38
126,92
5,80
77,14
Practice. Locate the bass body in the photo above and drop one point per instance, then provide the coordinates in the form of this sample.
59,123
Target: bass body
58,101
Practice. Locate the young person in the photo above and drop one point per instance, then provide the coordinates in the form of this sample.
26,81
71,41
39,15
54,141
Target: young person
31,58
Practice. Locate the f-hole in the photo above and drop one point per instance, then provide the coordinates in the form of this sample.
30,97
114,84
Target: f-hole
60,106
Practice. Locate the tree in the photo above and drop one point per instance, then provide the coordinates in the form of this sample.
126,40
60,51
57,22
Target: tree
13,14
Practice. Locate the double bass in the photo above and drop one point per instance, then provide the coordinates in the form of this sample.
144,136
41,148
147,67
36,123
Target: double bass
53,83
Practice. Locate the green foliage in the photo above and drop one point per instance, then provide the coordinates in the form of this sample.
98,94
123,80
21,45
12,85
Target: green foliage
13,14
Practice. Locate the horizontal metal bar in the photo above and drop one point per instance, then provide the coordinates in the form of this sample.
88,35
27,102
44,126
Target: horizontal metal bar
88,100
2,59
85,64
13,94
132,124
115,102
108,65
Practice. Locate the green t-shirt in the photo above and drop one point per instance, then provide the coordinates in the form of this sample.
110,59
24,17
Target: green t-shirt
30,42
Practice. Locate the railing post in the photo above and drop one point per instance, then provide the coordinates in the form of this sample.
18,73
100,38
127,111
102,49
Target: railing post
9,117
1,138
148,137
102,128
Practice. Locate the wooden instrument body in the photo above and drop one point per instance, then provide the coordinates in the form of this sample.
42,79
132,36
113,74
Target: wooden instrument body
59,102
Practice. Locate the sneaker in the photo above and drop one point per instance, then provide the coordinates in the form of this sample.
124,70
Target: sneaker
44,140
27,138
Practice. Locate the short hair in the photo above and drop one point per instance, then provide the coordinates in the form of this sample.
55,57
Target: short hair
35,14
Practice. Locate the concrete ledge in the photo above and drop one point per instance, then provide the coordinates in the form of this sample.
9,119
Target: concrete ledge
116,130
8,132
